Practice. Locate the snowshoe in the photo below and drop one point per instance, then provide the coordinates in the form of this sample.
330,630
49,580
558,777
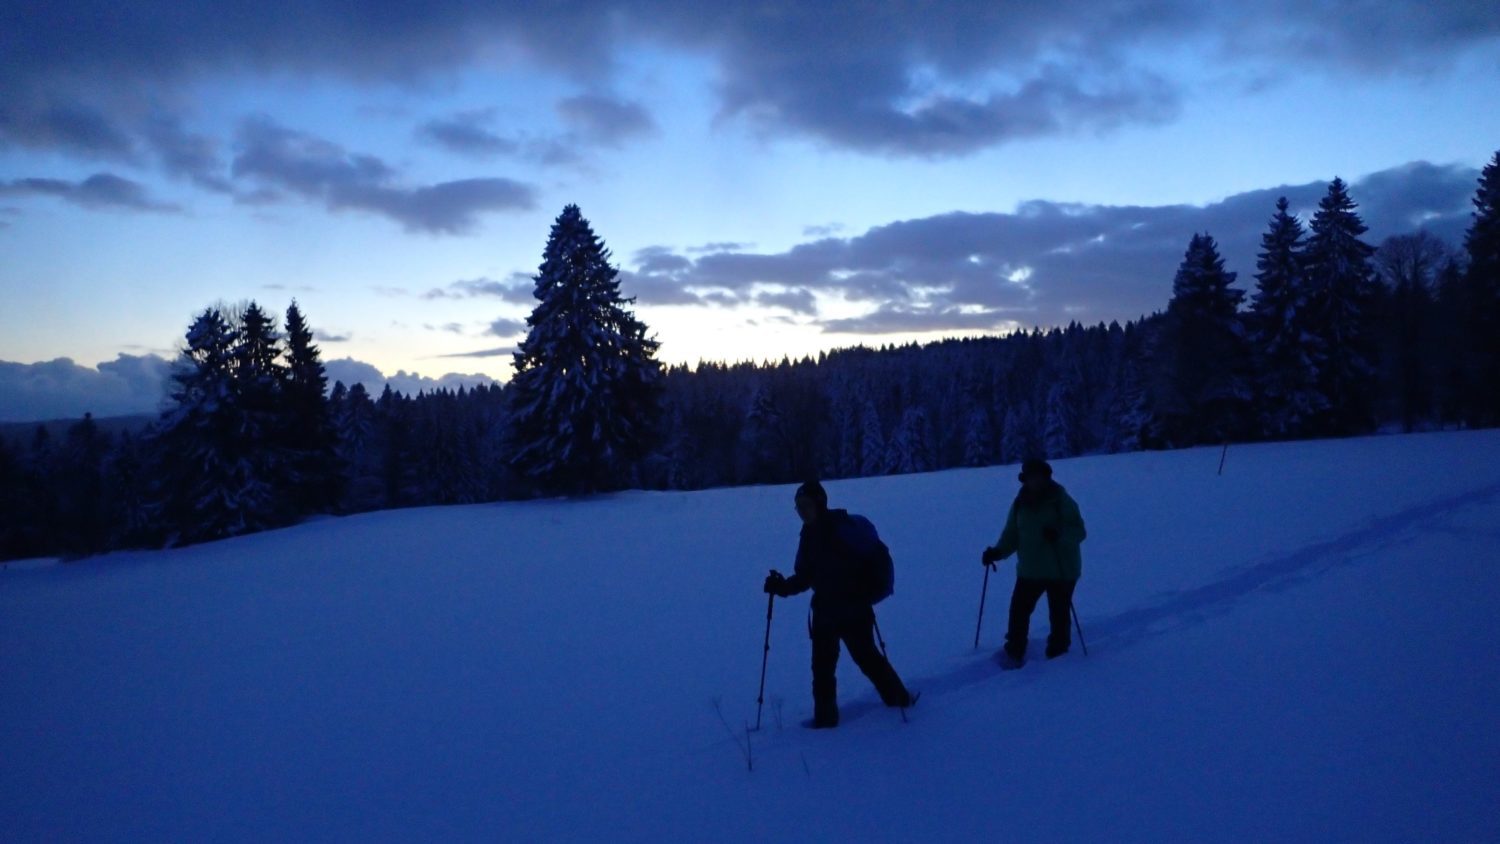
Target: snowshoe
1009,662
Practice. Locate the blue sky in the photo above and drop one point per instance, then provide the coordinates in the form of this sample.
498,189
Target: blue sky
772,178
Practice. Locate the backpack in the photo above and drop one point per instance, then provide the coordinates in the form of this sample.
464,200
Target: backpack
875,570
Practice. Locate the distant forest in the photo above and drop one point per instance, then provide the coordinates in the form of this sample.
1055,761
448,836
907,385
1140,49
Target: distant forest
1331,337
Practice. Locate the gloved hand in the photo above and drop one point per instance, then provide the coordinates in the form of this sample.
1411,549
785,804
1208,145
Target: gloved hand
989,556
1050,534
775,584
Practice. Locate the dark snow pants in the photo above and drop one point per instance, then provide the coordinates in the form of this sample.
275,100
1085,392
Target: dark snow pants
859,637
1059,608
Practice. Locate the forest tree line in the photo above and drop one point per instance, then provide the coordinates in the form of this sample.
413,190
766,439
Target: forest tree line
1331,336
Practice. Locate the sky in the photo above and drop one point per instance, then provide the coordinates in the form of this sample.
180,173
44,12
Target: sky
1282,665
771,178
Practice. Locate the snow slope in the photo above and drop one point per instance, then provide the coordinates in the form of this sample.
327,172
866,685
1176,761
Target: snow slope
1301,649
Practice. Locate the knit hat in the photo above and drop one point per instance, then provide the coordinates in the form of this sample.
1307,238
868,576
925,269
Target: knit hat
814,491
1036,467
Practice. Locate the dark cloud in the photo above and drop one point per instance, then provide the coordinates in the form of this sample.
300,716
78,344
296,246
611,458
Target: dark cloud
503,351
896,78
654,260
101,190
592,120
505,327
605,120
61,389
330,337
188,155
1046,263
70,127
664,289
798,301
517,289
468,133
284,160
1360,36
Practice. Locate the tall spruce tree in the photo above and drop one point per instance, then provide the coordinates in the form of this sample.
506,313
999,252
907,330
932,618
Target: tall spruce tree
1286,390
308,432
1202,390
1342,312
1481,300
584,399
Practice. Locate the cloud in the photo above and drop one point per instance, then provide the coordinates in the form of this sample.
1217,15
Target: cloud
280,159
66,126
185,154
139,384
1046,263
890,319
506,327
61,389
899,79
503,351
350,372
517,289
101,190
605,120
732,246
799,301
659,290
467,133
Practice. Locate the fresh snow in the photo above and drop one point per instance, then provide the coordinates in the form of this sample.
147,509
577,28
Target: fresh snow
1301,649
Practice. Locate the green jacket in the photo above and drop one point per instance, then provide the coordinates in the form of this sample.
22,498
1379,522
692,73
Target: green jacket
1023,533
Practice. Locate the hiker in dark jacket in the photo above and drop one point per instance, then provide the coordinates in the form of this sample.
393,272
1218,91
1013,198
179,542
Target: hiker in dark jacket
1045,528
841,608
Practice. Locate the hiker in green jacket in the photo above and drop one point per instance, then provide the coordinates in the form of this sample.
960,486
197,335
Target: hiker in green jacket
1045,529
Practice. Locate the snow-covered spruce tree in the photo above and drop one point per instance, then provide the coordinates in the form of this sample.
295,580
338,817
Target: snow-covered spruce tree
978,437
1020,439
1284,354
1057,427
1202,391
1481,297
1342,310
308,433
259,377
210,480
584,399
354,420
909,448
871,439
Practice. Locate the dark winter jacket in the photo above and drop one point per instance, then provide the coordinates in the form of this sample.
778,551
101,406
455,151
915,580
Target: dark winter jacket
831,571
1025,532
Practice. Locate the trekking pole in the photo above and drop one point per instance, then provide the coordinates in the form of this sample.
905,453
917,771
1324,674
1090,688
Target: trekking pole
982,593
766,657
1079,628
881,639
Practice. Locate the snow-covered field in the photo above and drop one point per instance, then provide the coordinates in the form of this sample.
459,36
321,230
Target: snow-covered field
1301,649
